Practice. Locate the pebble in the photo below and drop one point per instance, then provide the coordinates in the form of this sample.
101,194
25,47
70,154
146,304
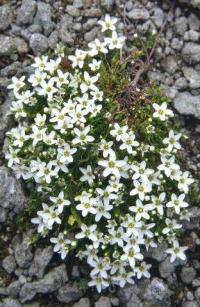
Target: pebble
9,264
6,16
26,12
38,43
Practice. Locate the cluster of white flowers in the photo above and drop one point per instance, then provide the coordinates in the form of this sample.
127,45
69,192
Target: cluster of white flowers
98,188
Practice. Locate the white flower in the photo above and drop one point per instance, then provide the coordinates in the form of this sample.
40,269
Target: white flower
87,174
87,232
115,42
119,132
111,166
184,182
108,23
106,147
12,157
141,210
78,58
161,111
17,84
99,283
102,210
132,254
141,171
177,251
65,154
88,83
62,245
143,270
171,226
37,135
40,120
60,201
95,65
117,236
158,202
86,205
107,194
168,164
123,277
47,89
177,202
61,78
129,142
41,63
172,141
140,189
101,266
97,47
82,136
36,78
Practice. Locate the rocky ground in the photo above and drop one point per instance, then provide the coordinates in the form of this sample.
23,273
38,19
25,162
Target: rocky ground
34,277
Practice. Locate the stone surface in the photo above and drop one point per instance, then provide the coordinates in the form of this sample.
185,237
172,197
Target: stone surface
193,3
11,194
138,14
187,104
191,53
193,77
51,282
158,253
157,293
69,293
64,28
103,302
166,268
10,302
84,302
41,260
26,12
43,17
188,274
11,45
38,43
9,264
6,16
23,251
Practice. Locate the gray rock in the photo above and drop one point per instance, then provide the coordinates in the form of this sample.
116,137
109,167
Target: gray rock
188,274
166,268
9,264
181,83
11,45
69,293
73,11
12,69
107,4
157,293
191,53
32,304
191,36
89,36
51,282
14,288
26,12
104,301
38,43
3,215
6,123
41,260
170,64
194,22
158,253
84,302
92,12
22,251
53,39
190,304
197,293
10,302
6,16
129,295
43,17
64,27
138,14
196,282
11,193
193,76
34,28
89,24
78,4
176,44
158,17
193,3
187,104
180,25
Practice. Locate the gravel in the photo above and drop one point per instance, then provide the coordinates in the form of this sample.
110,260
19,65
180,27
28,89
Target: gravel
6,16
